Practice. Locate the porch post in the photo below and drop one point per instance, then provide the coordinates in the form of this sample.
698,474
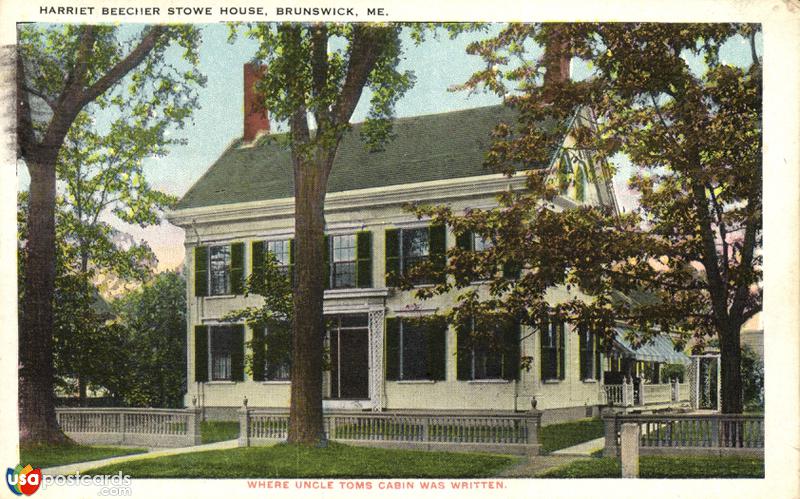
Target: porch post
376,319
641,391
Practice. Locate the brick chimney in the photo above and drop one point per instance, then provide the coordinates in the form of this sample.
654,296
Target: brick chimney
556,58
256,119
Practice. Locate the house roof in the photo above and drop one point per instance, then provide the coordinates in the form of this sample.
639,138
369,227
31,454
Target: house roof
423,148
659,349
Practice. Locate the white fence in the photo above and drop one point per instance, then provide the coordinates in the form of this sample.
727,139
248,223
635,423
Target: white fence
627,395
697,434
131,426
516,433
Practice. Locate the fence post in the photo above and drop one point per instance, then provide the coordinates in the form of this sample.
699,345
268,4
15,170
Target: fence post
625,400
610,423
641,391
533,423
193,426
122,427
629,452
244,425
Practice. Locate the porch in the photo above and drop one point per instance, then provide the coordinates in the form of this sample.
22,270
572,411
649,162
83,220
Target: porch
651,376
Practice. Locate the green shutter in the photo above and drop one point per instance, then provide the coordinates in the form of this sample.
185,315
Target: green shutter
237,352
201,353
464,240
436,336
582,357
544,359
326,261
597,357
392,256
392,349
257,251
438,248
364,259
511,339
201,271
561,350
237,268
258,346
463,353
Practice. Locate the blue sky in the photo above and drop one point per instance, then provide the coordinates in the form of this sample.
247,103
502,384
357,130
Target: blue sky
438,63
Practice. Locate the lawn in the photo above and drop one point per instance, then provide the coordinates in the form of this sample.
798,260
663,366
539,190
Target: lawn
45,456
563,435
664,467
335,461
218,431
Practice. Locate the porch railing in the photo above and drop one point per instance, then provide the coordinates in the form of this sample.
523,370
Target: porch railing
627,395
515,433
130,426
698,434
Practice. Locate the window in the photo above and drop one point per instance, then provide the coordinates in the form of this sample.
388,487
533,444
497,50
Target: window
278,360
343,263
552,349
348,260
488,357
589,348
471,241
219,270
272,357
408,248
219,264
220,354
281,250
415,349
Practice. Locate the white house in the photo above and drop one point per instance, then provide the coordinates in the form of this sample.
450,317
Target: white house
243,206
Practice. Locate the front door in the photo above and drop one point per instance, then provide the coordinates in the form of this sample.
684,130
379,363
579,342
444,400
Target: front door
348,338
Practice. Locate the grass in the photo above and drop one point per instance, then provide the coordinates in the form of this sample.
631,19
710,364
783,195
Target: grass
45,456
218,431
560,436
664,467
335,461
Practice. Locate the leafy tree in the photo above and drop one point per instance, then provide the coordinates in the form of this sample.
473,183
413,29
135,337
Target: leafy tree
315,78
62,70
102,175
272,283
154,322
687,260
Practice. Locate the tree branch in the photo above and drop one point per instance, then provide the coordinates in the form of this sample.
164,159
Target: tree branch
124,66
25,135
319,75
365,48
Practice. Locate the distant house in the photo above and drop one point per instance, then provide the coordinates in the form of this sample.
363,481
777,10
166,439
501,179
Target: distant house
380,360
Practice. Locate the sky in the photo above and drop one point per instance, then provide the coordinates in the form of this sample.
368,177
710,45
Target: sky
438,63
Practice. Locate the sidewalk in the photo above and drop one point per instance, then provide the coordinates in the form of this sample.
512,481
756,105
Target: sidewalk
584,449
72,468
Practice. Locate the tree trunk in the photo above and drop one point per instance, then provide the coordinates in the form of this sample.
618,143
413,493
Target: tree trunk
81,391
37,416
731,360
308,327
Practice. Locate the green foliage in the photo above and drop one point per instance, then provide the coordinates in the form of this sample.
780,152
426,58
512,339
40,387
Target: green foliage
43,456
295,461
271,282
752,380
218,431
664,467
154,322
687,260
673,371
563,435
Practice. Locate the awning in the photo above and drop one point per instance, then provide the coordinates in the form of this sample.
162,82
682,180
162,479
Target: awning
659,349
